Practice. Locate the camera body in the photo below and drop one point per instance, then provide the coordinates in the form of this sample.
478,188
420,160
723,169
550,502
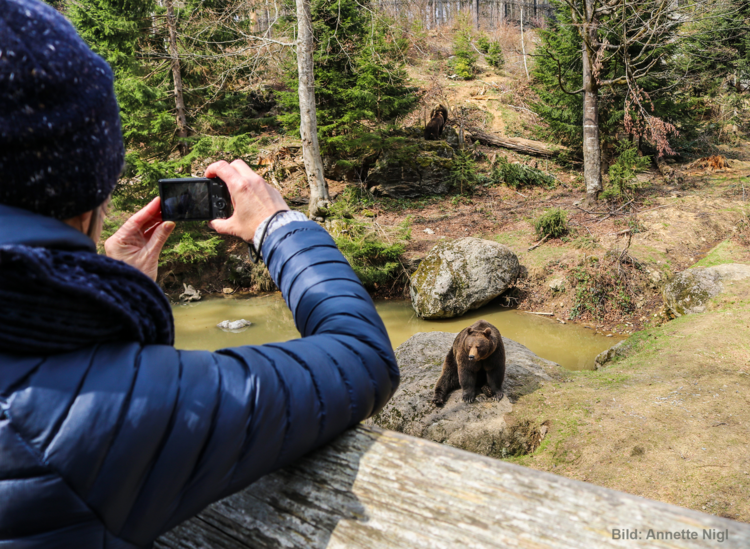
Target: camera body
194,199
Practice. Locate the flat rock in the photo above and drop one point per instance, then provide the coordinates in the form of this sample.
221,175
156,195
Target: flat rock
479,426
691,289
460,275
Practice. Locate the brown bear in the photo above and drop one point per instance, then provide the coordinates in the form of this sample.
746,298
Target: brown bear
434,128
477,357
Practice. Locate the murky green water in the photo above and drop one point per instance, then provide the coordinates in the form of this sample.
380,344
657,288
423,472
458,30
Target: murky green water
572,346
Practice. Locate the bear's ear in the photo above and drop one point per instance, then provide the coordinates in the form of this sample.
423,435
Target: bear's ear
488,332
469,331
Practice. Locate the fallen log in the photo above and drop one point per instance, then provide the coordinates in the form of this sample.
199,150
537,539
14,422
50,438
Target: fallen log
525,146
376,489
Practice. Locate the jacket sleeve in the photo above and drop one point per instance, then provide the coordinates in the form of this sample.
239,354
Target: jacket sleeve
154,434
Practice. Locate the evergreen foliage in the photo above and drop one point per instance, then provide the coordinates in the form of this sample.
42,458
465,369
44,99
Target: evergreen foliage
559,60
623,172
464,59
716,49
360,81
519,175
494,57
132,36
552,223
463,176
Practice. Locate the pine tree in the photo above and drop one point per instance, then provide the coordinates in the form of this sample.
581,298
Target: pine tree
716,49
360,82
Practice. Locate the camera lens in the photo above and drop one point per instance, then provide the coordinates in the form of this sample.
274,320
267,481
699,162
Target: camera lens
221,204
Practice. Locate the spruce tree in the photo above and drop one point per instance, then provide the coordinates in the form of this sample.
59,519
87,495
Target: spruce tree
360,82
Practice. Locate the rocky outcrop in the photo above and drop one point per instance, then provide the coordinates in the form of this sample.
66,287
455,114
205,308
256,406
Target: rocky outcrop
690,290
618,350
477,427
409,172
460,275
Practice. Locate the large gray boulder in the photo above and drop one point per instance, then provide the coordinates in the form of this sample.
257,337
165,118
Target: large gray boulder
479,426
421,170
691,289
460,275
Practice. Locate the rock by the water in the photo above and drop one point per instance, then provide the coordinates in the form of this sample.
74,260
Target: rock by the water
690,290
190,293
460,275
619,349
425,171
234,325
477,427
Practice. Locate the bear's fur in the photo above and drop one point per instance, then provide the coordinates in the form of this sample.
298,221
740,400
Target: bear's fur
477,357
438,118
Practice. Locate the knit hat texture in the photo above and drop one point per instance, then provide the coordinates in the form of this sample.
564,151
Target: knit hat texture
61,148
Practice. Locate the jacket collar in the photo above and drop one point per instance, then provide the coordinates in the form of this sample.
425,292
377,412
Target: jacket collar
25,228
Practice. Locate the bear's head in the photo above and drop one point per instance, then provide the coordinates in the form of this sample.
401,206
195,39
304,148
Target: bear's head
479,343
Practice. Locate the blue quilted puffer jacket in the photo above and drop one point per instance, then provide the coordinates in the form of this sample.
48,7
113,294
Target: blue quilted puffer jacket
111,445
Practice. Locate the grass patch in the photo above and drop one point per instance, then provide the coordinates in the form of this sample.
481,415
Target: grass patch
722,254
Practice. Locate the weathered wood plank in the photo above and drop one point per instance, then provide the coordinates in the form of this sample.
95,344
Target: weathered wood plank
373,489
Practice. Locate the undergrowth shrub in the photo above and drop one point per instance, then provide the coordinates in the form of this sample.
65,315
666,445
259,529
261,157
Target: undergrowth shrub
464,59
622,174
519,175
372,251
483,43
552,223
494,56
600,290
245,274
191,247
463,175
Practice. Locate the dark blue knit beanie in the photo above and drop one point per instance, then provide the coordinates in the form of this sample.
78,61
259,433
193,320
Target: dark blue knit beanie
61,146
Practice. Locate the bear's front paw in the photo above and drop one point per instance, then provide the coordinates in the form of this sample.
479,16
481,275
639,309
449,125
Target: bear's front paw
438,401
468,398
497,397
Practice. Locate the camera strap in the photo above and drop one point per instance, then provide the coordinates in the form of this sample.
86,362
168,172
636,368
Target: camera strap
251,250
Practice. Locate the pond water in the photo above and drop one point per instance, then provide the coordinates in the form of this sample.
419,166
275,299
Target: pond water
572,346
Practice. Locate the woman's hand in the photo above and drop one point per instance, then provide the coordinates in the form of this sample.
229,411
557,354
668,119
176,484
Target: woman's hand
140,240
253,199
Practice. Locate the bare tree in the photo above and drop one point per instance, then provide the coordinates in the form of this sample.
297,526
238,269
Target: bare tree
182,129
319,197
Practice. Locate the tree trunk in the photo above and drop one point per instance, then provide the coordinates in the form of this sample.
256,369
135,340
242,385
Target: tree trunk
182,130
319,197
592,150
476,13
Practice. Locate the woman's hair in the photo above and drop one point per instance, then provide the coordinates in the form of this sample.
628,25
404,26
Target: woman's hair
97,216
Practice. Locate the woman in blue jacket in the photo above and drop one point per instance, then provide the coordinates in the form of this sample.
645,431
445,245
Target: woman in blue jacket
108,435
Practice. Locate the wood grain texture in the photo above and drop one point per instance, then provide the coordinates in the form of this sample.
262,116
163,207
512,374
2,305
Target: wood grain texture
518,144
373,489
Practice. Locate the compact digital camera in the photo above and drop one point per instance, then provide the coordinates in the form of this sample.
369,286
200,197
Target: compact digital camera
194,199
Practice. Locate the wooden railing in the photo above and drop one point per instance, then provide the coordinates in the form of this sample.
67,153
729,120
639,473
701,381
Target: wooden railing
373,489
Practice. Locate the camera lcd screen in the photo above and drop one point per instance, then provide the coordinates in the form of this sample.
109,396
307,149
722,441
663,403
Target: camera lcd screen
186,201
